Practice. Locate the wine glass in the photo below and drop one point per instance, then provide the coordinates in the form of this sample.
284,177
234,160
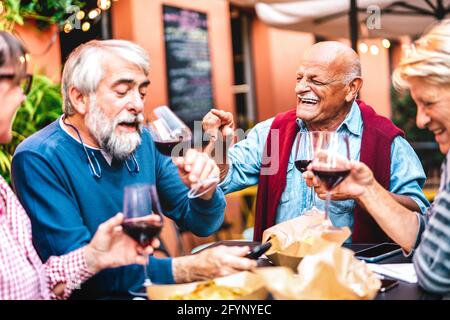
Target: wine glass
139,201
168,132
331,164
172,138
304,155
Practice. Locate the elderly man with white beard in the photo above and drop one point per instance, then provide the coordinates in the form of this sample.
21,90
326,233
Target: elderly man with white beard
70,176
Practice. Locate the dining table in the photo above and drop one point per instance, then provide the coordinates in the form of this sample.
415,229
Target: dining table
403,291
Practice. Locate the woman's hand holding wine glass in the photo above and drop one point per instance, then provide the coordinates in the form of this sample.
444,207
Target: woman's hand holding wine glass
359,179
111,247
140,201
331,165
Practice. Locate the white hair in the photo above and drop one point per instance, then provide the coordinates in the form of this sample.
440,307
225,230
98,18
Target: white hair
353,72
428,59
84,67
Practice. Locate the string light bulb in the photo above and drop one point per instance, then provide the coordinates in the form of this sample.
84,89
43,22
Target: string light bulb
80,15
94,13
85,26
104,4
386,43
374,50
68,27
363,48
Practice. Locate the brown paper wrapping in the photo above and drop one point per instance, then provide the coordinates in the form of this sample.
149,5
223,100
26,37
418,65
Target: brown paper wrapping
293,239
249,280
329,272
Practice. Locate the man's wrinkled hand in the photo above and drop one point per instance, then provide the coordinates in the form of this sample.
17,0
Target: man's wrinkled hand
218,122
196,166
214,262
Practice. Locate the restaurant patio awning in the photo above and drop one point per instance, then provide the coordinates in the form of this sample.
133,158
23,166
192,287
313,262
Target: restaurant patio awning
334,18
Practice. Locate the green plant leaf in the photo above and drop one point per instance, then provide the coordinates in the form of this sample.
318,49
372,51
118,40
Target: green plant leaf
44,12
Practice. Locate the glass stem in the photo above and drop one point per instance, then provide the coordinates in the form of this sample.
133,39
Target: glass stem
313,198
147,280
327,206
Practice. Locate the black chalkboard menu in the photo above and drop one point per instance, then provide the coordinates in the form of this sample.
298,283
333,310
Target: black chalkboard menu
188,63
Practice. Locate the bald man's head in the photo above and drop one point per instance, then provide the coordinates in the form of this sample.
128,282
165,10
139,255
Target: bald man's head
336,54
328,81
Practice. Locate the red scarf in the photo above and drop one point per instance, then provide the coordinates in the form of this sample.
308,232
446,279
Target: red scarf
377,137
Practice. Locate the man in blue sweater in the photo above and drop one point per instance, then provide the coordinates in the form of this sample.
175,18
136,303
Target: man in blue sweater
70,176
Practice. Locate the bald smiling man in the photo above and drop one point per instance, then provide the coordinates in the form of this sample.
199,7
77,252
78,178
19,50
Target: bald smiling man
328,82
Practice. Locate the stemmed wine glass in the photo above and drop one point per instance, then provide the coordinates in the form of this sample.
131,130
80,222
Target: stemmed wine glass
172,137
168,132
139,201
331,164
304,155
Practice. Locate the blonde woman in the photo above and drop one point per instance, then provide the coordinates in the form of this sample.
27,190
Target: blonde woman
425,72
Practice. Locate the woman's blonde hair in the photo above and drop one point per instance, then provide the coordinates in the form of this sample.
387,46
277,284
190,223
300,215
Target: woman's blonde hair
427,59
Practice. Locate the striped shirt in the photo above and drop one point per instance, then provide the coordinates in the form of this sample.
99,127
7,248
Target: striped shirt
23,276
432,255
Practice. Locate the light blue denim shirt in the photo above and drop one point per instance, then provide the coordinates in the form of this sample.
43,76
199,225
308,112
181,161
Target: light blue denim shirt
407,175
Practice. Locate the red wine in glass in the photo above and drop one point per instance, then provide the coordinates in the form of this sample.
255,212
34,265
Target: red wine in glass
173,138
168,132
304,155
331,178
302,165
331,163
166,147
140,201
142,231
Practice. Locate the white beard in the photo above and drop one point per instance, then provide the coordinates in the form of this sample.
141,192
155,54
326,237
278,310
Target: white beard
119,146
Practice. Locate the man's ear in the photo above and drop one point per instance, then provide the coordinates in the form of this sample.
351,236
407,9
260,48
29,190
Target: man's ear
78,100
353,89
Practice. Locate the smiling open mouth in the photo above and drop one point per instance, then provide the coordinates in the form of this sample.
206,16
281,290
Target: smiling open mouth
308,100
438,132
129,125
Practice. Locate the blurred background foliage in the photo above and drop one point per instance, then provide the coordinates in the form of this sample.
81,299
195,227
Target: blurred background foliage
45,13
404,116
42,106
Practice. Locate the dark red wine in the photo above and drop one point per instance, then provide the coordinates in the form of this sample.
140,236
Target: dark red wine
166,147
331,178
301,165
142,231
